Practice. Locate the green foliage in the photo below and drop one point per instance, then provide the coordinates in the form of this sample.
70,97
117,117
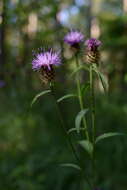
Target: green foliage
87,146
39,95
74,129
78,69
79,118
66,97
71,165
107,135
102,78
31,141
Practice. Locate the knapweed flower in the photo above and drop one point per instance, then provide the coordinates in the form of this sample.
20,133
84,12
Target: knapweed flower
93,54
44,63
74,38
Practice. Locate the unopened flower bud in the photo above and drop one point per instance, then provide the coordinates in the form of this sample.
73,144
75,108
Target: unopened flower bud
92,53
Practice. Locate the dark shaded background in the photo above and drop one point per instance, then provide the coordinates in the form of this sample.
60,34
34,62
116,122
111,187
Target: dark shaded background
31,142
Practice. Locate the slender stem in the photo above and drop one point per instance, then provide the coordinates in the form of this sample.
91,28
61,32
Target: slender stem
92,116
81,98
92,102
66,134
63,124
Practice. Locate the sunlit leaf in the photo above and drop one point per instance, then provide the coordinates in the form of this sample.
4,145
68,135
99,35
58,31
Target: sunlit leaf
103,81
79,118
75,166
39,95
102,78
87,145
107,135
66,97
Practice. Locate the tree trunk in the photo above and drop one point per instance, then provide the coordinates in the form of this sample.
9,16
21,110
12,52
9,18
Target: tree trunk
3,34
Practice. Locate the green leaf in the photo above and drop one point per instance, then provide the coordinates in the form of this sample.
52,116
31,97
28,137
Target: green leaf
78,69
79,118
87,145
102,78
107,135
38,96
66,96
75,166
104,81
85,88
74,129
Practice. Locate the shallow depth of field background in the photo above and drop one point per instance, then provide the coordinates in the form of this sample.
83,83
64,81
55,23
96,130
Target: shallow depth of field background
31,141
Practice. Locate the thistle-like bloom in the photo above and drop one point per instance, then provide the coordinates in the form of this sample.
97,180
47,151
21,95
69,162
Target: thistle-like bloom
44,62
93,54
74,37
46,59
92,44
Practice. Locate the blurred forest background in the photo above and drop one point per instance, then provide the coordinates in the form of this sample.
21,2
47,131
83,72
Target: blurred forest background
31,142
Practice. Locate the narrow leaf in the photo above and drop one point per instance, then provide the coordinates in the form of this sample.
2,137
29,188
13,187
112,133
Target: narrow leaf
38,96
107,135
102,78
76,70
75,166
79,69
87,145
66,96
74,129
79,118
85,88
103,81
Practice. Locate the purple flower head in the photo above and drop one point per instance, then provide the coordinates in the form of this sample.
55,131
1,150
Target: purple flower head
46,59
74,37
92,44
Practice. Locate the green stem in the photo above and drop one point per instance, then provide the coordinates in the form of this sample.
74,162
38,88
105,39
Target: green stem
65,132
92,116
63,124
81,99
